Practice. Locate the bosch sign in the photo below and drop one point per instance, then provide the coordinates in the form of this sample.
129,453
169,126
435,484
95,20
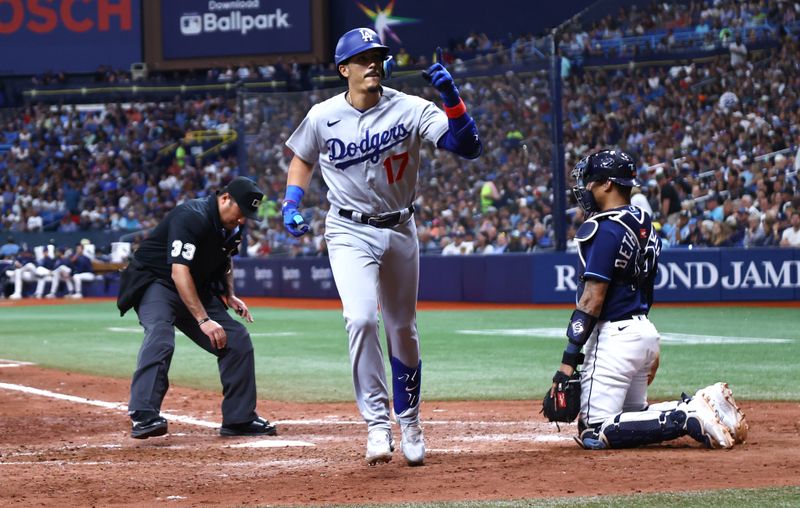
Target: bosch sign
199,28
41,16
68,35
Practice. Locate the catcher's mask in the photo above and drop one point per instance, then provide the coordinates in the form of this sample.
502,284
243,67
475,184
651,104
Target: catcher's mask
612,165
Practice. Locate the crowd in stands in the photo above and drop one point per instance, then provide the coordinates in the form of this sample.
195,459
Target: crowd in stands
675,26
701,159
71,169
658,27
716,144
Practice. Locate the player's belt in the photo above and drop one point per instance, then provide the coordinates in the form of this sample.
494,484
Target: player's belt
381,220
627,317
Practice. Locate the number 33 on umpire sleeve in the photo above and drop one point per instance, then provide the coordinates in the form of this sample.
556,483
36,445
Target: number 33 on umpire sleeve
185,250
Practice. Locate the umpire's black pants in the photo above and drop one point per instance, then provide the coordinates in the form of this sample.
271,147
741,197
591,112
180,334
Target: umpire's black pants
160,311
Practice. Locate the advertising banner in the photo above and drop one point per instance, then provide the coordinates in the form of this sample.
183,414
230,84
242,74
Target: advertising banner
690,275
68,35
697,275
225,28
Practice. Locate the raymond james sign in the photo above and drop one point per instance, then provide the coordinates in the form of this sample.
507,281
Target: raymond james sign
208,28
708,275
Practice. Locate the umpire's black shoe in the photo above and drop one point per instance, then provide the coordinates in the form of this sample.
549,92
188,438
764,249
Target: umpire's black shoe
152,427
258,427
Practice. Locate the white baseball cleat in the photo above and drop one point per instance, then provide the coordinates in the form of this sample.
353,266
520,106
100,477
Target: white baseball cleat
379,446
14,296
413,444
720,397
704,425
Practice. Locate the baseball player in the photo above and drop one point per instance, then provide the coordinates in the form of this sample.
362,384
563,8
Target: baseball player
182,276
618,250
367,142
82,270
26,268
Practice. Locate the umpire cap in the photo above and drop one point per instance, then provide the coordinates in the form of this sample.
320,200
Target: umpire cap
357,41
246,194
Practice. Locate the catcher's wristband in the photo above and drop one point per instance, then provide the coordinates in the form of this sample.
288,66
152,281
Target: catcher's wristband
572,359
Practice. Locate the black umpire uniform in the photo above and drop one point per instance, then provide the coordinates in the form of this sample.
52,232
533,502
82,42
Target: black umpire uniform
181,276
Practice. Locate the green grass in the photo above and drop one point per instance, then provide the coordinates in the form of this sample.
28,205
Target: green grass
301,355
761,498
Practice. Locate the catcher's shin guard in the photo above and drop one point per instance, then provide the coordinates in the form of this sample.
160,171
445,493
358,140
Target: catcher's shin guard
637,428
406,384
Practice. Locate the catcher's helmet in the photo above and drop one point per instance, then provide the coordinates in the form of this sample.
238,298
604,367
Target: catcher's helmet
613,165
357,41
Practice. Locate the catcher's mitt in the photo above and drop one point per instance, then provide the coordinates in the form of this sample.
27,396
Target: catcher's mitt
564,404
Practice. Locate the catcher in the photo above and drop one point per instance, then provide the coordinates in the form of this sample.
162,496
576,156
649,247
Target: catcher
618,250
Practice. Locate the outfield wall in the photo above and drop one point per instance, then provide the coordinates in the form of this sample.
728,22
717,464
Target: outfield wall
700,275
706,275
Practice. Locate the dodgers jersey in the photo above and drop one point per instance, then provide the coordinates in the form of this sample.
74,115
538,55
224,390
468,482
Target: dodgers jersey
369,159
620,246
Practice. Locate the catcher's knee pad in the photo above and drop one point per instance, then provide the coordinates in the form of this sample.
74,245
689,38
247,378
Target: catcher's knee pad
639,428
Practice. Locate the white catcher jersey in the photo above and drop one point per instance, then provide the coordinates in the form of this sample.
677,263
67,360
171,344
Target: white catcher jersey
369,159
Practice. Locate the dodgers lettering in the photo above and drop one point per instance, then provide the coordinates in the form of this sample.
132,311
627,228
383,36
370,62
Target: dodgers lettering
369,148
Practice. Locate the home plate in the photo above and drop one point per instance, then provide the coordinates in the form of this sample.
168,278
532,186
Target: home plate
271,443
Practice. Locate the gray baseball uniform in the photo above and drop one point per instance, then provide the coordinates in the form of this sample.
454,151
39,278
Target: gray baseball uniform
370,161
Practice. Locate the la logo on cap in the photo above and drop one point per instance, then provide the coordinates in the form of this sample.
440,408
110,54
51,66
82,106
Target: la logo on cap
366,35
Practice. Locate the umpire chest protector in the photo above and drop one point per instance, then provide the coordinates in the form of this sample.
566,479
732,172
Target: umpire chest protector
620,246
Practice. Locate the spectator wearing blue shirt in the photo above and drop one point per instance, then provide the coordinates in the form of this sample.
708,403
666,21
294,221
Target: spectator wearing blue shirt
713,210
679,234
10,248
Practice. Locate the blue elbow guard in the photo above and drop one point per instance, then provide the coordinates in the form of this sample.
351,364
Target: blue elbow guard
462,137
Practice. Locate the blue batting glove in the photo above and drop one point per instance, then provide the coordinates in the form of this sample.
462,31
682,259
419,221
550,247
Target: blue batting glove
292,220
442,81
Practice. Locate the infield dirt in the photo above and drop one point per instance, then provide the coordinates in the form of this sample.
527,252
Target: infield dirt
57,452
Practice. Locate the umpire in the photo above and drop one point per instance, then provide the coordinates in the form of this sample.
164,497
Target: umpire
182,276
